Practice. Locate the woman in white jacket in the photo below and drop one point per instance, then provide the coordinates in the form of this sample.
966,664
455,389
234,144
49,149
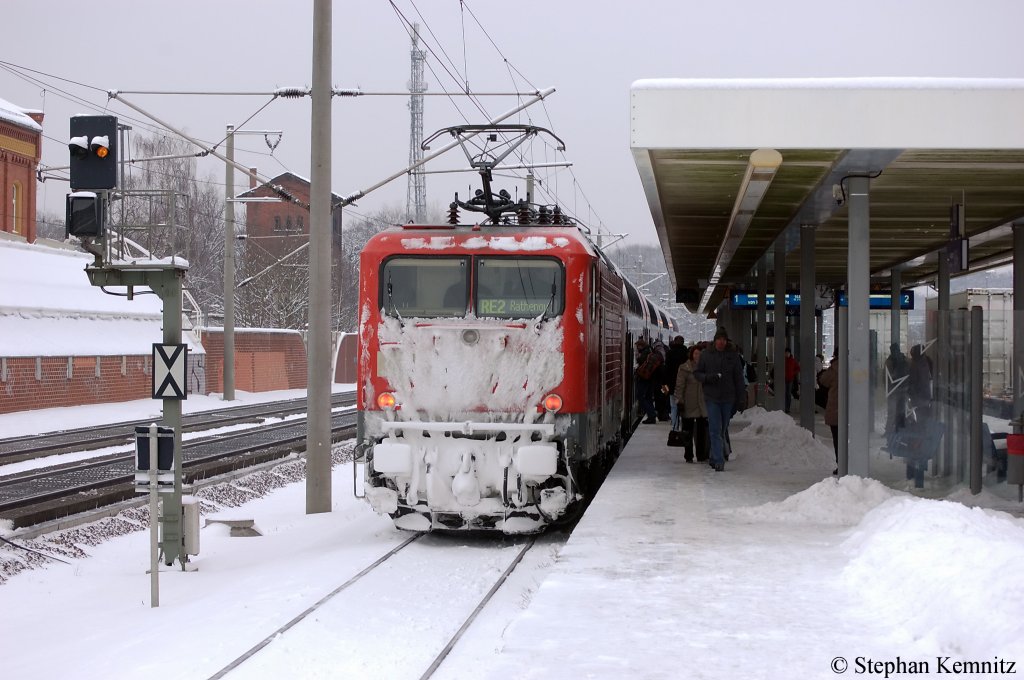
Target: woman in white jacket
693,411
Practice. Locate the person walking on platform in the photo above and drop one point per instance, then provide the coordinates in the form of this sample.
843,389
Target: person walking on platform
659,382
792,372
897,370
829,379
647,363
919,388
693,412
721,374
676,357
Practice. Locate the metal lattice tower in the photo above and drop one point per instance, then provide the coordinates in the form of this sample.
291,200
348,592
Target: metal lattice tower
416,193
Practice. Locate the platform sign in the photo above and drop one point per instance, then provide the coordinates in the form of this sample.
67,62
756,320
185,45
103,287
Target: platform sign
882,299
169,370
748,300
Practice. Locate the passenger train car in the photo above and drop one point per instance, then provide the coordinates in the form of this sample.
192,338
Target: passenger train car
494,372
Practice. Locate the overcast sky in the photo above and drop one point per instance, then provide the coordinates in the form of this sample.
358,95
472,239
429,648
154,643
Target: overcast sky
589,51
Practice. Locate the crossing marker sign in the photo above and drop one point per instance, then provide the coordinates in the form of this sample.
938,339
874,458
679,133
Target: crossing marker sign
169,362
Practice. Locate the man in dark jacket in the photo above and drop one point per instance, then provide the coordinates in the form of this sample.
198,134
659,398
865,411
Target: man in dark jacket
720,371
677,356
644,380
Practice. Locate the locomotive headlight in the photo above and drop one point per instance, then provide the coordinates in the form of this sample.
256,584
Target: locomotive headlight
386,400
553,403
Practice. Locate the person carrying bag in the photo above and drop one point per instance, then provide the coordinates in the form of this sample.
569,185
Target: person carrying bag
692,410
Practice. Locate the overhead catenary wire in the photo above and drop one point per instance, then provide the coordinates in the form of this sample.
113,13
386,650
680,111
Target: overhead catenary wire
511,67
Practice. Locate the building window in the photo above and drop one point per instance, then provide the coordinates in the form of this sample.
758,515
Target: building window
288,224
299,220
17,209
277,223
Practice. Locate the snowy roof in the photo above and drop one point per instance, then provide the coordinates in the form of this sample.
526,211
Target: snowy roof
277,180
834,113
49,308
15,114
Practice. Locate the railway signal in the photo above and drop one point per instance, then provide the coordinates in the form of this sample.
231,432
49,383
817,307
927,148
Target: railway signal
93,147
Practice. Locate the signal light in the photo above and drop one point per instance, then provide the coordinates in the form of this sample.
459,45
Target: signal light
84,215
93,147
386,400
100,146
553,403
79,146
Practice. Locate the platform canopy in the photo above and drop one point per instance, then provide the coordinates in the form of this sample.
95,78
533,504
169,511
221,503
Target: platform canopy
729,166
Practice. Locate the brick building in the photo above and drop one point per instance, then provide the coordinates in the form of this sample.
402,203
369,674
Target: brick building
279,299
21,138
278,228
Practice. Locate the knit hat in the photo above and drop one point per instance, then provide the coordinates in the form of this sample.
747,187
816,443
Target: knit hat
720,333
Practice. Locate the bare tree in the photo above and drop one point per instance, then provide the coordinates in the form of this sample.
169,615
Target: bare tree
277,299
198,214
50,225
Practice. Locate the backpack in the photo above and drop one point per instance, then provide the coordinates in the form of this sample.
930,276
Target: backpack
650,365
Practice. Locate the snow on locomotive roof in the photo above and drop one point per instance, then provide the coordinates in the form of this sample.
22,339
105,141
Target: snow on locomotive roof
507,243
504,238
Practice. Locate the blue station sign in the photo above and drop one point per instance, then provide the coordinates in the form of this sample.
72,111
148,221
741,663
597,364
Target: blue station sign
882,299
878,300
748,300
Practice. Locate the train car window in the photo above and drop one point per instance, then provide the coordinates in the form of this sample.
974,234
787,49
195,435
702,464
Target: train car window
519,287
634,299
424,286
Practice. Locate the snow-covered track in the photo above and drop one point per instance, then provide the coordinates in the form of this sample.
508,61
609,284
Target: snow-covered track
42,495
17,449
425,593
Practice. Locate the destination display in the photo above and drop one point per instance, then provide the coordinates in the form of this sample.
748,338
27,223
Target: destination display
517,307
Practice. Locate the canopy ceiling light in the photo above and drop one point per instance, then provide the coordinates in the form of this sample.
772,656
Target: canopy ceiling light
761,169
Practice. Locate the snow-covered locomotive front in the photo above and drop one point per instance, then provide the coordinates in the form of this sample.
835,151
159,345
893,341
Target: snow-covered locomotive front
472,388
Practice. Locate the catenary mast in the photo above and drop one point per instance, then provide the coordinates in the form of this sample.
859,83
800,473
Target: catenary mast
416,193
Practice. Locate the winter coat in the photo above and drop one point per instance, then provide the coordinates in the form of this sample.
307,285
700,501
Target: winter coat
897,367
689,393
920,379
676,358
829,379
792,369
721,374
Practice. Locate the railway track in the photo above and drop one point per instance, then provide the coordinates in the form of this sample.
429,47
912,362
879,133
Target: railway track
41,495
17,449
427,565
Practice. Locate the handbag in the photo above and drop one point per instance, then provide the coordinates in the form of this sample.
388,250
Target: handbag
676,438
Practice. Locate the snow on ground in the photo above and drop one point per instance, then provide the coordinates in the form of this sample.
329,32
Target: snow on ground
771,569
24,423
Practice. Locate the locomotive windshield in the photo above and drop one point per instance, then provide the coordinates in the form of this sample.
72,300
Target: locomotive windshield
519,287
425,286
506,287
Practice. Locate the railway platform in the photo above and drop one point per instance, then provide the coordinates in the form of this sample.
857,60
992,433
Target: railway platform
675,570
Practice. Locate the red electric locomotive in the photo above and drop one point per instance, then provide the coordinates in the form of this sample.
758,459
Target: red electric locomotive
494,368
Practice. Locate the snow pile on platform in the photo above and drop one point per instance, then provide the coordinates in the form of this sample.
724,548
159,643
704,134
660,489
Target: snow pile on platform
947,576
832,501
780,442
